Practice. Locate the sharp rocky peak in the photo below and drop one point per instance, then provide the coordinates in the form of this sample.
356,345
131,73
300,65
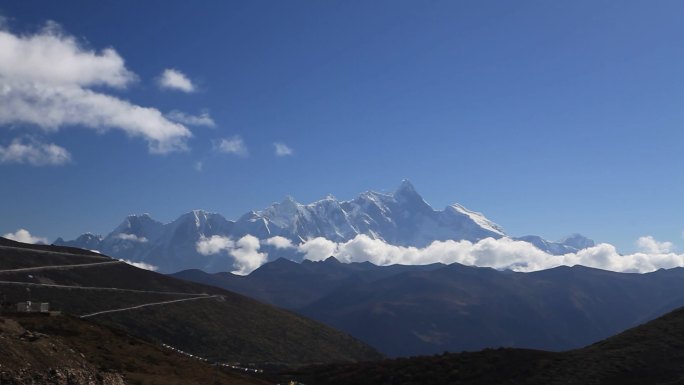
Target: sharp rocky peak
406,187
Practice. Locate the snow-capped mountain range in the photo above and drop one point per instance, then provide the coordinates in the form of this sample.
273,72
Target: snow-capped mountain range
401,218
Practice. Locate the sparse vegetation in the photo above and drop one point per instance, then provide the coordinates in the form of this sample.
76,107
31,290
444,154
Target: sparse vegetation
84,350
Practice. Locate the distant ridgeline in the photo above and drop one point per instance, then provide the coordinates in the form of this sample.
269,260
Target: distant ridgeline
401,218
404,310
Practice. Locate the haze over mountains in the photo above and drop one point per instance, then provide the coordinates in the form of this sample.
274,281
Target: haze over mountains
286,229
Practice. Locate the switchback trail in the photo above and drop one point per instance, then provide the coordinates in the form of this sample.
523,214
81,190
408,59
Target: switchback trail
148,304
30,250
99,288
59,267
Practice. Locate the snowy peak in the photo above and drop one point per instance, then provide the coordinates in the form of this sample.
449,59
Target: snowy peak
400,218
135,228
86,241
198,223
406,189
570,244
285,213
407,194
577,241
196,218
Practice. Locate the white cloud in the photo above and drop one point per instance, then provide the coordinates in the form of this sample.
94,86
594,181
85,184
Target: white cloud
282,149
24,236
648,244
203,119
175,80
50,57
245,251
233,145
46,80
132,238
503,253
141,265
34,153
247,255
214,245
279,242
318,249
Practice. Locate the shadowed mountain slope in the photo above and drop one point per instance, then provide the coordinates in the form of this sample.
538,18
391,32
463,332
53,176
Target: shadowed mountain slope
648,354
410,310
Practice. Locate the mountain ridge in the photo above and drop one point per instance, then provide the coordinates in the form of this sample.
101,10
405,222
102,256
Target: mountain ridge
401,218
405,310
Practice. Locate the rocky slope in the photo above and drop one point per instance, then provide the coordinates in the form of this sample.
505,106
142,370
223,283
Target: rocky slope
60,350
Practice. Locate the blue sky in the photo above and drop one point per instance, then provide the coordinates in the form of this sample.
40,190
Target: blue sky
548,117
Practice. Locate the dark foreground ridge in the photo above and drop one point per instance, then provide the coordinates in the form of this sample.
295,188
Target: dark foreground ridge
648,354
202,320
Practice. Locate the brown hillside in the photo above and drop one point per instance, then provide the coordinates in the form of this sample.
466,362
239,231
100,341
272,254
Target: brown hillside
64,350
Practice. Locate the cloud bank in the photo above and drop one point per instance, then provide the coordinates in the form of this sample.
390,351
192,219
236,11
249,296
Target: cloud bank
173,79
503,253
35,153
649,245
47,80
24,236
